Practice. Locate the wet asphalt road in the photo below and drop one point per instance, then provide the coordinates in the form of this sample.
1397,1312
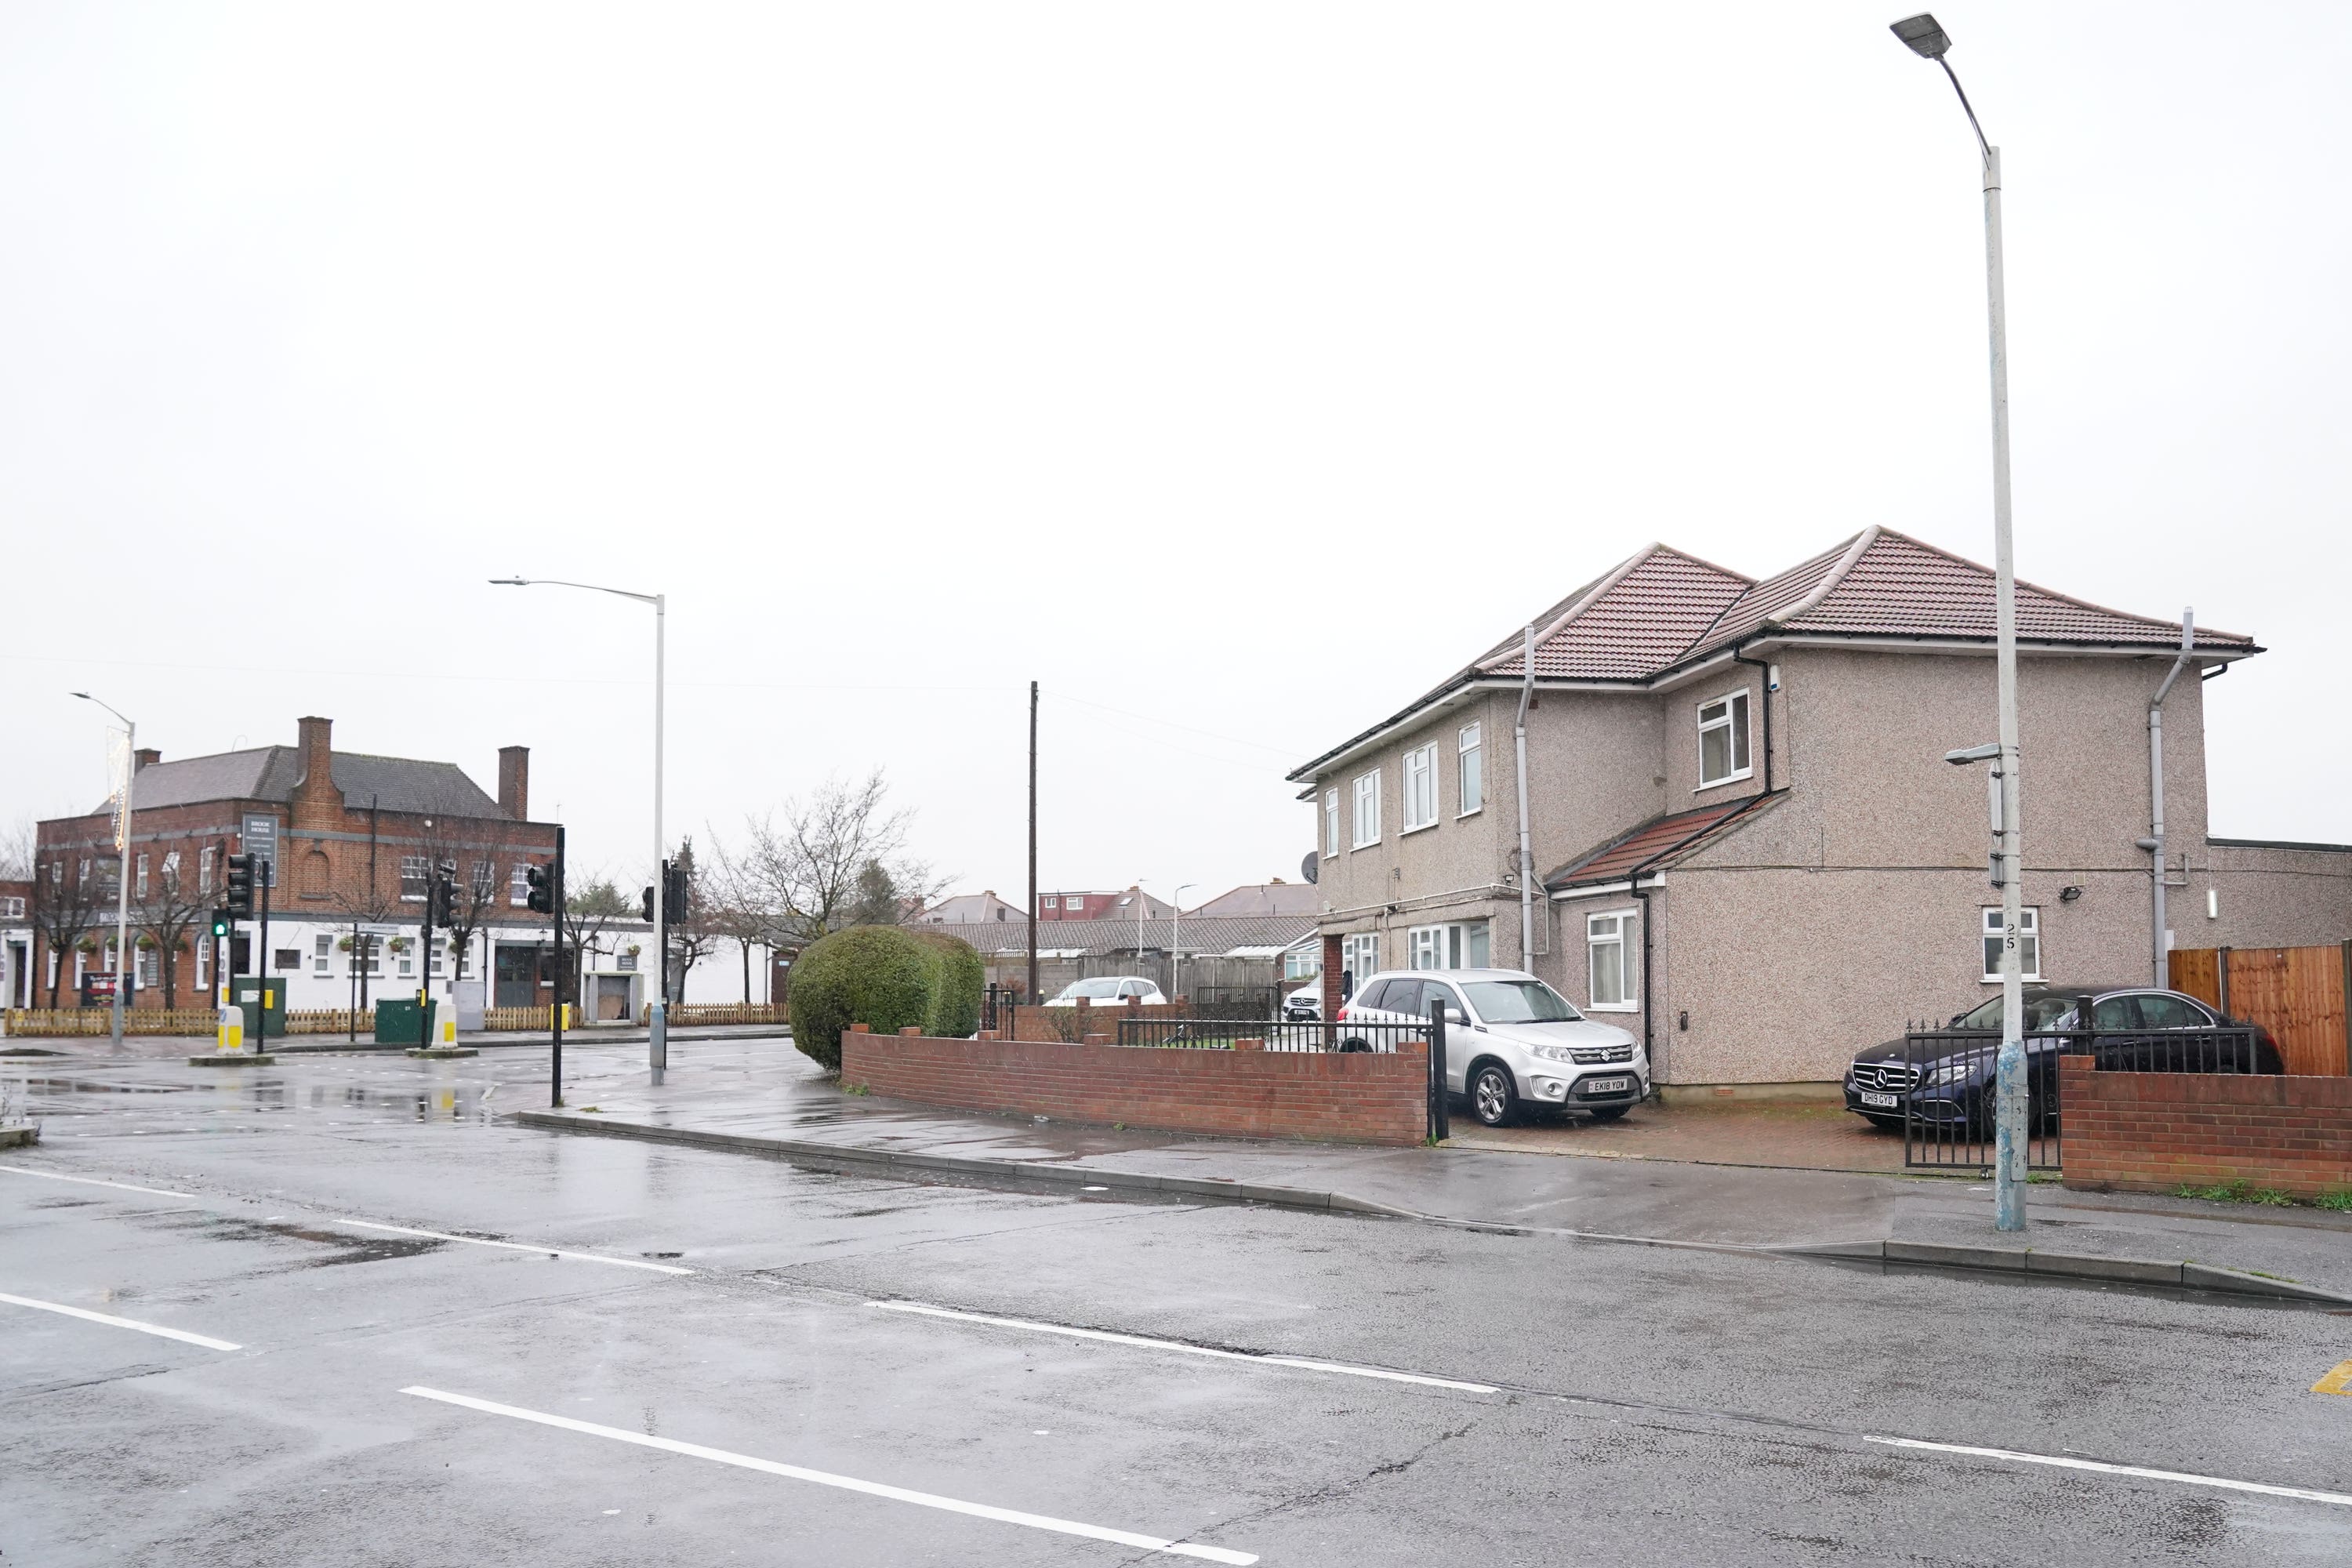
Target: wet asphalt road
1634,1406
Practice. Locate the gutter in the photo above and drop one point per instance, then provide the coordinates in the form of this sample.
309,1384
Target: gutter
2154,842
1527,851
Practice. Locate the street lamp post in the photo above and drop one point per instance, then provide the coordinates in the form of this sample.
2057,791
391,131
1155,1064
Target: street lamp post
657,1032
122,861
1926,37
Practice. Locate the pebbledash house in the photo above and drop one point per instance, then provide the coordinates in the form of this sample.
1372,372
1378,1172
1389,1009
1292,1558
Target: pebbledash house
1748,847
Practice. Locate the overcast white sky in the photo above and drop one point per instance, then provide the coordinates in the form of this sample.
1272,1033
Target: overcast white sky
1234,370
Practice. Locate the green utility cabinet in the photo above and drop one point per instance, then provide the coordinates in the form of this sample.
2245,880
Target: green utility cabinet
400,1022
263,999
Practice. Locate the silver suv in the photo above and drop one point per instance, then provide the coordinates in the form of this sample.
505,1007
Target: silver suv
1512,1041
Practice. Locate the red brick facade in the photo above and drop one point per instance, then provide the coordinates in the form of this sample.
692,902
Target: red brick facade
2151,1132
1357,1096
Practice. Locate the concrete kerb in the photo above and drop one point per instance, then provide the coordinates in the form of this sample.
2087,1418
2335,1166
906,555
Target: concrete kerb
2024,1261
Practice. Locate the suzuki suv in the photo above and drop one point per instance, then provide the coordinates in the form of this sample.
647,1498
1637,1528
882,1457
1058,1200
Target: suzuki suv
1511,1041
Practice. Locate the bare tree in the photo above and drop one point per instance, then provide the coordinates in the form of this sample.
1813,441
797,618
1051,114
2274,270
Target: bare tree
588,910
19,844
805,876
67,904
175,908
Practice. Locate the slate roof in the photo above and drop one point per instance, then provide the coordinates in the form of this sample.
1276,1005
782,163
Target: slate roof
1211,935
1655,844
271,773
1662,608
1261,898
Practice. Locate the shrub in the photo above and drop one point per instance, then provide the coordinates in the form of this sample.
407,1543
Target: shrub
955,1006
876,975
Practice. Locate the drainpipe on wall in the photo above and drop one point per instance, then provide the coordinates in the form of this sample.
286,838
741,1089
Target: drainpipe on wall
1771,685
1527,842
1649,1034
2154,842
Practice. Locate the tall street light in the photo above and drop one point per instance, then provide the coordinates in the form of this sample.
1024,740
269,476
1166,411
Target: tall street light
657,1033
1927,39
122,860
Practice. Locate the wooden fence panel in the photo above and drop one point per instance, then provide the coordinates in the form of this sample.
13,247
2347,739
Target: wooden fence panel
2295,993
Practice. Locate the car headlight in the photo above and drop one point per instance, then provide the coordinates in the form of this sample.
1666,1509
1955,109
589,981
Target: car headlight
1552,1053
1958,1071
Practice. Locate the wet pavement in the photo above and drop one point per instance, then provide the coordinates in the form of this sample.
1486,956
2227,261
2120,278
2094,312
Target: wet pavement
456,1338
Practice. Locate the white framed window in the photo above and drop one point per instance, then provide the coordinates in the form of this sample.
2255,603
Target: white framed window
1074,902
1367,809
172,870
370,949
322,954
406,967
203,962
416,874
1418,785
1458,944
485,878
1303,963
11,908
2028,944
1470,769
1613,961
1051,902
140,893
519,885
205,869
1331,823
439,947
1723,739
150,964
1359,955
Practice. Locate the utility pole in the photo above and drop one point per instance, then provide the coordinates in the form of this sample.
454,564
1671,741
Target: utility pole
555,1007
1926,37
122,861
1032,996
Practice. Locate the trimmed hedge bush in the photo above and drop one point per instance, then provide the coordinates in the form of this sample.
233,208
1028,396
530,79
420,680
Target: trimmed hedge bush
887,978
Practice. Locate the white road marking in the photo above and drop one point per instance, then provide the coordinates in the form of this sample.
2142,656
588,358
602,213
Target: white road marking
848,1483
515,1245
114,1323
1146,1342
94,1181
2340,1499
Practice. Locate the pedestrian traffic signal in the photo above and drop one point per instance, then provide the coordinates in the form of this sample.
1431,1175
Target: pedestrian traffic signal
542,898
221,925
442,905
240,887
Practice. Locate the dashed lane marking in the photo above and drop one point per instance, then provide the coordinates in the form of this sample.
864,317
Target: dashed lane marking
2341,1499
94,1181
849,1483
2338,1380
514,1246
114,1322
1146,1342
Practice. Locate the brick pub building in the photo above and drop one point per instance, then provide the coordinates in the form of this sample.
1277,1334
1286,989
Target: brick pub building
356,836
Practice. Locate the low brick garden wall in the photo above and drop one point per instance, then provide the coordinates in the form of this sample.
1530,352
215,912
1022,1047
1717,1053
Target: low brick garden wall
1354,1097
2153,1132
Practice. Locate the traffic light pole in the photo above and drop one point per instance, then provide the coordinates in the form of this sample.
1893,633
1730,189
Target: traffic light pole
555,1003
261,869
424,961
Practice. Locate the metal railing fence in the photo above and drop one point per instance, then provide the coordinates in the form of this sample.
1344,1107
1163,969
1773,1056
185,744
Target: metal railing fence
1272,1035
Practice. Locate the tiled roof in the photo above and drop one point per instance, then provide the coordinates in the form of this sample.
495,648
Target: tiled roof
1211,935
1632,622
271,773
1261,898
1652,843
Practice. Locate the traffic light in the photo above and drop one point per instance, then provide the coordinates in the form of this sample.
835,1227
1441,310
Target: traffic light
649,907
673,892
542,898
221,925
444,904
240,887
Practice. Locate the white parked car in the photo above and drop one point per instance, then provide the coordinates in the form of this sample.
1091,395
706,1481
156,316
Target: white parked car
1511,1041
1108,990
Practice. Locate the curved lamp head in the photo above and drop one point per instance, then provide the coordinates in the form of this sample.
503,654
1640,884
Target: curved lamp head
1924,35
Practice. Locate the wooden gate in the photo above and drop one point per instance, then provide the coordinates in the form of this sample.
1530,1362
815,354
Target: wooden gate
2296,993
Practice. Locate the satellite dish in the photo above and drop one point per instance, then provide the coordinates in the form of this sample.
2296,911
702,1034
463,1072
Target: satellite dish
1308,868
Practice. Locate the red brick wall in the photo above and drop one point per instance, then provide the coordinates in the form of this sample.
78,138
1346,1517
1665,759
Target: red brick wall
1361,1096
2152,1131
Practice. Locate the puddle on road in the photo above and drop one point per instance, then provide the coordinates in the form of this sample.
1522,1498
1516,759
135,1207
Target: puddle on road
349,1248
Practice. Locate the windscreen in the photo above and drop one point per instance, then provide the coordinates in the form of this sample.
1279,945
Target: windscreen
1092,990
1519,1002
2042,1014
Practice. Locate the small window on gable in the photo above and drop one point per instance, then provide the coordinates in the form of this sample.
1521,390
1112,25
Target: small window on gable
1723,740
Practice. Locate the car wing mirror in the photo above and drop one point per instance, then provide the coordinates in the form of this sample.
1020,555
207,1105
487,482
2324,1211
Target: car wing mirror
1456,1016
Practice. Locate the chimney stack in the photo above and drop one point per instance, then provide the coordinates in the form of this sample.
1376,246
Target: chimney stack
316,803
146,757
514,782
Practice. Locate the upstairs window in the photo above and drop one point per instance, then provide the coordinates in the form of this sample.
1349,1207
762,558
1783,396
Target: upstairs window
519,885
1367,810
205,869
1723,740
1074,902
1330,823
414,873
140,892
1469,767
1419,786
2028,946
